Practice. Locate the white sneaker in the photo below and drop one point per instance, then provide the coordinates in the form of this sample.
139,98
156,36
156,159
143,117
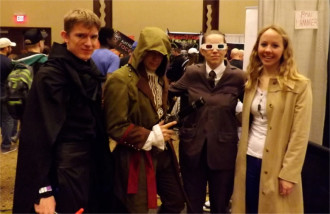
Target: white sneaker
8,150
207,206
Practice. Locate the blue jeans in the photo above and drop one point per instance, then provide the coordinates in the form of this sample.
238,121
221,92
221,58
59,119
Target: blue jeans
253,169
7,126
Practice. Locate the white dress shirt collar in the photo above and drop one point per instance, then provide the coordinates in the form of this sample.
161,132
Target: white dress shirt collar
218,71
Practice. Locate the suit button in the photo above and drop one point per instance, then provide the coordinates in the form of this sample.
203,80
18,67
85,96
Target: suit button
267,150
263,192
270,128
270,105
266,172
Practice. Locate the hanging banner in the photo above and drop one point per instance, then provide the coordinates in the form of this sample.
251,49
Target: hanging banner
186,40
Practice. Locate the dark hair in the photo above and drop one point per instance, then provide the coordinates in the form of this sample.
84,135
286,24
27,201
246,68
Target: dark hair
176,46
206,34
105,34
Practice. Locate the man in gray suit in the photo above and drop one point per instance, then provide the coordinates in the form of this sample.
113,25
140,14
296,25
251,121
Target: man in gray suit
208,136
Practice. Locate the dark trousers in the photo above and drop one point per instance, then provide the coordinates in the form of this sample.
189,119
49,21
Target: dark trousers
253,168
195,182
169,186
72,183
7,126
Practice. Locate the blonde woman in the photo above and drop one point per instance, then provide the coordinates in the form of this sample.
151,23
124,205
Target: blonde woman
275,129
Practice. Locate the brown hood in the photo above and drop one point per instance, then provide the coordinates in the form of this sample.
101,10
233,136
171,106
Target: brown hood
152,39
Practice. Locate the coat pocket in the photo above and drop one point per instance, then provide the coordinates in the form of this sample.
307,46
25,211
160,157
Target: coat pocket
187,133
225,137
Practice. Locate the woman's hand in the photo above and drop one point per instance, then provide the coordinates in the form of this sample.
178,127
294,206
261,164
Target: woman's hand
286,187
167,133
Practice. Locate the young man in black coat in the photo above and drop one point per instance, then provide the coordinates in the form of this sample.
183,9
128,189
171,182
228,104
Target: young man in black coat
64,157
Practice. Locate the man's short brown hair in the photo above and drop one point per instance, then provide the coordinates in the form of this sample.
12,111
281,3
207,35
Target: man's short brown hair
81,15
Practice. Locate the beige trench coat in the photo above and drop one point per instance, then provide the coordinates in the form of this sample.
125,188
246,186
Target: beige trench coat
289,118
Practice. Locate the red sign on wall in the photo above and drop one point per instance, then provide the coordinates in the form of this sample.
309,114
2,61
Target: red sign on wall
19,18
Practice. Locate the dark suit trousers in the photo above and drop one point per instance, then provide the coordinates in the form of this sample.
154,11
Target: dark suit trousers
169,186
220,186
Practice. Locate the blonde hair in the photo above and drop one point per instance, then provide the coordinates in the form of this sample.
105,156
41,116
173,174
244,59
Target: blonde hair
81,15
288,69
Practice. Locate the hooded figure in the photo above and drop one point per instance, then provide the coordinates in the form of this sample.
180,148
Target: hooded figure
135,100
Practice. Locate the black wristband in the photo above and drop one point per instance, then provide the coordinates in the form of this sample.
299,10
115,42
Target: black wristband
46,194
43,195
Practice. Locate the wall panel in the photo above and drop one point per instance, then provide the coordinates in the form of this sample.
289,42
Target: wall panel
129,16
40,13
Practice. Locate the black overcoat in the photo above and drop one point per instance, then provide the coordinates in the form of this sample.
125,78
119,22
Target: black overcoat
63,141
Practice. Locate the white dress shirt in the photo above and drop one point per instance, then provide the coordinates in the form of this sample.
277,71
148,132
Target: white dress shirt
218,71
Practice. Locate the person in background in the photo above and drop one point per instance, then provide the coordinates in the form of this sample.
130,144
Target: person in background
193,58
34,40
46,50
184,54
105,60
241,54
7,122
34,43
12,56
235,58
208,136
182,101
135,100
275,128
176,68
63,158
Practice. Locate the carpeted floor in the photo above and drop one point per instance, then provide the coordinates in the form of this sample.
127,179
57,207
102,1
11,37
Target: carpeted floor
7,180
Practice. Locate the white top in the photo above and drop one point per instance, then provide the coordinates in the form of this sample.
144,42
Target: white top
258,130
157,91
155,137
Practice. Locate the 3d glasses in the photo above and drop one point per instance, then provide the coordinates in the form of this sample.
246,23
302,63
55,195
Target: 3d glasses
214,46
